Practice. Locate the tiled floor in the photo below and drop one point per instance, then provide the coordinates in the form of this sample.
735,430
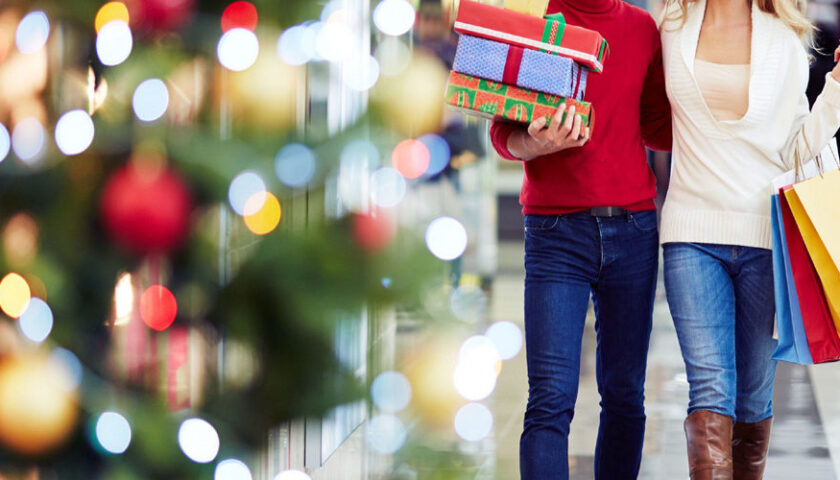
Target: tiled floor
799,445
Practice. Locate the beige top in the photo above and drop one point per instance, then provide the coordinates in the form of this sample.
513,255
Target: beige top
725,88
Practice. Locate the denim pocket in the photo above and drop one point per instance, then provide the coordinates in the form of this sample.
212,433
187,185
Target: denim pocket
645,221
540,223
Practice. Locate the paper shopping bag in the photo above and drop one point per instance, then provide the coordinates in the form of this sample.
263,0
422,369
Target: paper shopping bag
823,342
787,304
793,343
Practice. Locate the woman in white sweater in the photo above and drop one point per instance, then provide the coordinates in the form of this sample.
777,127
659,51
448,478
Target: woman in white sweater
736,73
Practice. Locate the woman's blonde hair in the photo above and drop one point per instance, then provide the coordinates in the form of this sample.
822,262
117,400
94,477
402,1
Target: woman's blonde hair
790,12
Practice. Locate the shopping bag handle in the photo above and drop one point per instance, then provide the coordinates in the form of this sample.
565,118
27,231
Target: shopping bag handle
799,167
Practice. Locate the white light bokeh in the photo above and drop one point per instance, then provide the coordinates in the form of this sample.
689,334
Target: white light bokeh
113,432
331,7
473,422
386,433
290,46
394,17
243,187
361,74
232,469
36,322
292,475
310,36
446,238
334,41
391,391
68,361
393,56
478,368
387,187
198,440
32,32
238,49
74,132
507,336
29,140
114,43
295,165
468,303
150,100
439,153
5,142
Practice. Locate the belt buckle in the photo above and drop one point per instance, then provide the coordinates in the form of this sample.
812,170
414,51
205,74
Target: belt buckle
606,211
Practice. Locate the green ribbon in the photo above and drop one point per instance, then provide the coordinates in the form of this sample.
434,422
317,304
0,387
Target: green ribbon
551,20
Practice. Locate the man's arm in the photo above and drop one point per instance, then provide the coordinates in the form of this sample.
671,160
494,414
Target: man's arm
655,108
517,143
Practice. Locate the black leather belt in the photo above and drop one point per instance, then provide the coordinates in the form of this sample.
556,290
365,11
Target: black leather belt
608,212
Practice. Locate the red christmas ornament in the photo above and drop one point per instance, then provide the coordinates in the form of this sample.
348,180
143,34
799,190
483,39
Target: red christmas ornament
374,231
158,307
161,15
240,14
146,208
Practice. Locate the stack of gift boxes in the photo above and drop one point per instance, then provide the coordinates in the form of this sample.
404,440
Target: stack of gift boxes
518,64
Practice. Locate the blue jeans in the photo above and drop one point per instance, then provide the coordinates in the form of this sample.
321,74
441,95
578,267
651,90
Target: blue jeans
721,298
567,259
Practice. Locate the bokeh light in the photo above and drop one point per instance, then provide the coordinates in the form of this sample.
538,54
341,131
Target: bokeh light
108,13
242,190
74,132
240,14
334,41
5,142
32,32
290,46
267,217
410,158
114,43
238,49
446,238
292,475
158,307
361,74
507,336
394,17
468,303
393,56
295,165
198,440
68,362
20,239
123,300
386,433
473,422
113,432
478,367
150,100
374,231
14,295
309,40
439,153
391,391
36,322
387,187
232,469
357,159
29,140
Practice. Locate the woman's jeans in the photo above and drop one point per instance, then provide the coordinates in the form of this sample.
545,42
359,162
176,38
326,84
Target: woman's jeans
567,259
721,298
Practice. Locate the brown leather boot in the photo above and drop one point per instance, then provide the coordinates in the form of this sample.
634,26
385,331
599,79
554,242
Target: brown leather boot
750,442
709,437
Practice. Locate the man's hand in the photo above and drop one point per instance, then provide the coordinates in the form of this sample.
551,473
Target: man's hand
541,140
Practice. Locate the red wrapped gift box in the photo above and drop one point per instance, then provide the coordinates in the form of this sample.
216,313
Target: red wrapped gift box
550,34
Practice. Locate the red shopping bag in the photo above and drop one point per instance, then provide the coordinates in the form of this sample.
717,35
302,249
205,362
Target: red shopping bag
823,340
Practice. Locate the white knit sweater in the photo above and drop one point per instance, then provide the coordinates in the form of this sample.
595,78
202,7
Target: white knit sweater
722,171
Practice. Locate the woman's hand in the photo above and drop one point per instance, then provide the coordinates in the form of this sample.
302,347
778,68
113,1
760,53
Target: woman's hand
541,140
835,74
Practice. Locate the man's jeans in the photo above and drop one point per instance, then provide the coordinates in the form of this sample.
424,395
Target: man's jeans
567,259
721,298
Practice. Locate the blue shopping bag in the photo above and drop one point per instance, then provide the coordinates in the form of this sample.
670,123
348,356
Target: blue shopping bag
793,344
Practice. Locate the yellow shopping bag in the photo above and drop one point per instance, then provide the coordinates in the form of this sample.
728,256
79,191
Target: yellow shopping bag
536,8
815,204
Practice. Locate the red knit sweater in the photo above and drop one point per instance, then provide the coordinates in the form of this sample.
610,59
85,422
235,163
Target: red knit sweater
631,111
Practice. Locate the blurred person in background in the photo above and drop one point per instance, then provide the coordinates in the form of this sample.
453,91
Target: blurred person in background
736,74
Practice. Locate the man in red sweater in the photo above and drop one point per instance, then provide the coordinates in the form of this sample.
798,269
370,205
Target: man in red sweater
591,230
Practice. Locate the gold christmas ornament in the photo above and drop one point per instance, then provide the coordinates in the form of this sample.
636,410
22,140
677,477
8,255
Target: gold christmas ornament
430,371
38,407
